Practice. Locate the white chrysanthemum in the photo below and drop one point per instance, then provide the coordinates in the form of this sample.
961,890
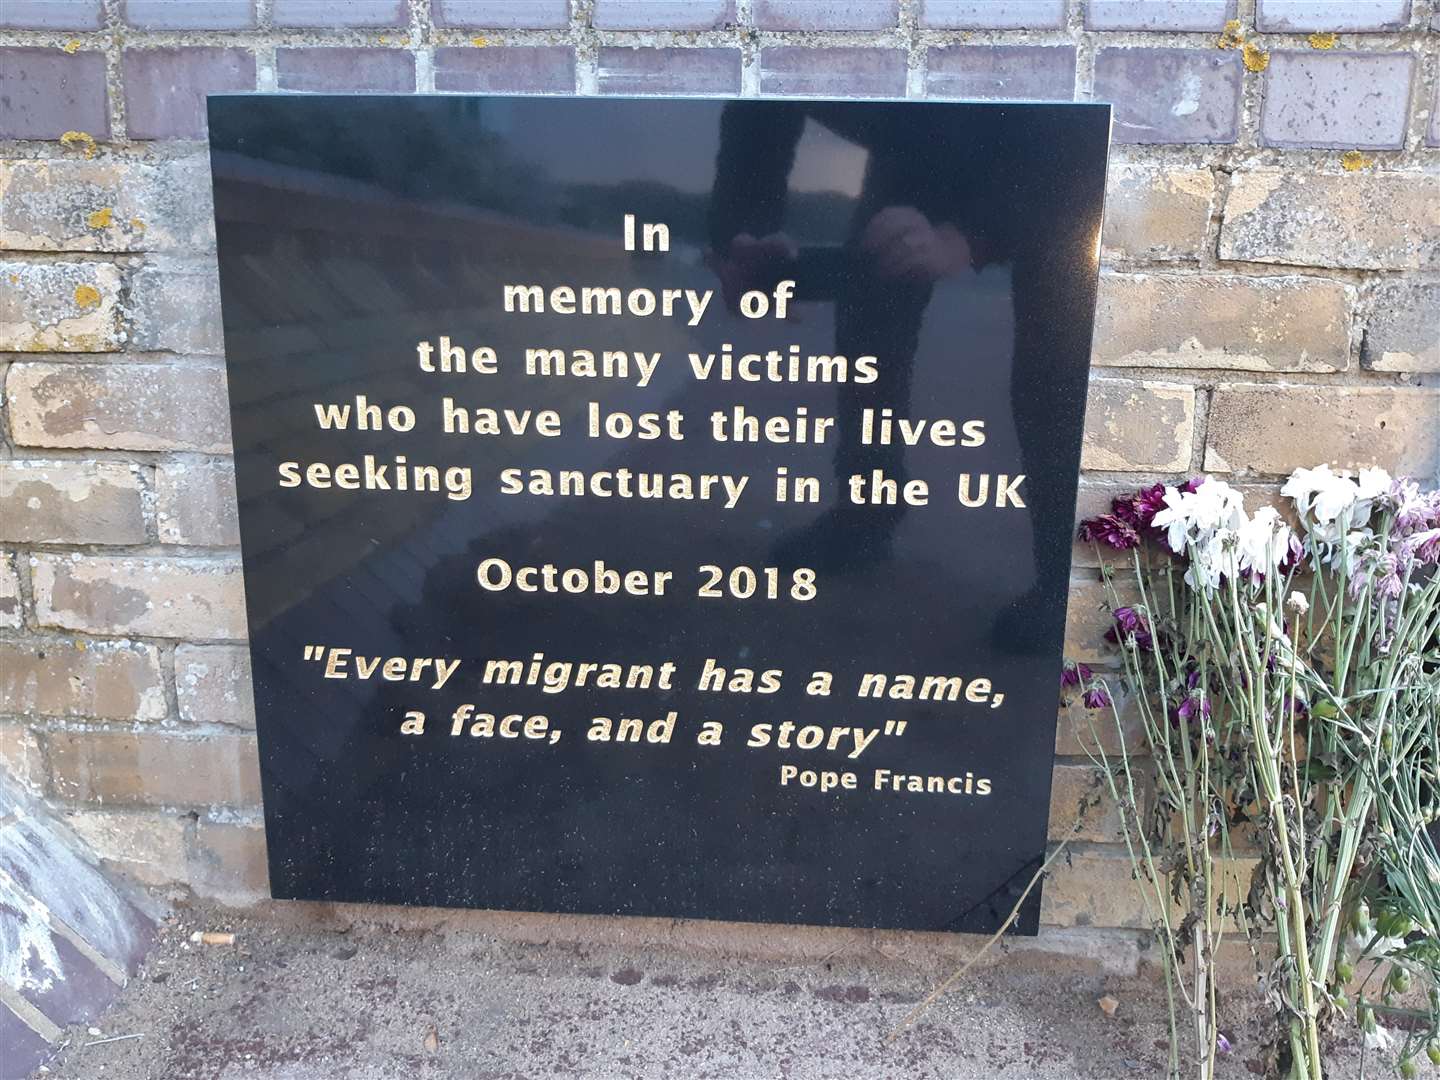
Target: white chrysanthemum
1379,1039
1329,502
1211,557
1195,516
1263,542
1373,483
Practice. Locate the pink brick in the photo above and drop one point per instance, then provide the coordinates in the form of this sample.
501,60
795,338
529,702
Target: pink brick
52,14
165,88
190,14
545,69
1337,16
502,14
1025,72
826,14
840,72
992,14
669,71
325,14
1170,95
329,70
663,14
1337,100
46,92
1193,15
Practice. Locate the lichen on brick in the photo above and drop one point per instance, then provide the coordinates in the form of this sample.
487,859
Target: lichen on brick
1256,58
1323,41
82,139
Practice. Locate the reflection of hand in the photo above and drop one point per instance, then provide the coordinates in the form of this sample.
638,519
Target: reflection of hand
906,246
750,264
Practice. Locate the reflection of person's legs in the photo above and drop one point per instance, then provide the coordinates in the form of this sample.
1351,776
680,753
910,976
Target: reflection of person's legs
881,319
1048,402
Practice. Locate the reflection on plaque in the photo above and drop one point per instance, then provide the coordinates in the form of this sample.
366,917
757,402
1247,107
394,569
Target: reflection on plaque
658,507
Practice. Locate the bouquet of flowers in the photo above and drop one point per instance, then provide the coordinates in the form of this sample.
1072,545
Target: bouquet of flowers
1287,685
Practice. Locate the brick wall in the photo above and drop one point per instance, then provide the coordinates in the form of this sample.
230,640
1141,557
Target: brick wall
1271,298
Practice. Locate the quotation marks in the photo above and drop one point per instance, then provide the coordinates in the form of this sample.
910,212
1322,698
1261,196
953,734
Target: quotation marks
314,652
894,727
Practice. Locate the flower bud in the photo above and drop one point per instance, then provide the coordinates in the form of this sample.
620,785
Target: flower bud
1432,1051
1367,1019
1400,979
1298,603
1409,1070
1394,924
1360,919
1344,971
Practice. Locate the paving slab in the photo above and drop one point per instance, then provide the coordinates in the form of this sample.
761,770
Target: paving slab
300,995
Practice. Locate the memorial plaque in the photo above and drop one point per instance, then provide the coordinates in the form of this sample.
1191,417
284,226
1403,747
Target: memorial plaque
658,507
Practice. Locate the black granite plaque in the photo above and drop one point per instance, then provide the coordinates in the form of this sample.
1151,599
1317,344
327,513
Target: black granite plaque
658,507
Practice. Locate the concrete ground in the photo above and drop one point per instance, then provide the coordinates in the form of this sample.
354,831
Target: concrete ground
313,992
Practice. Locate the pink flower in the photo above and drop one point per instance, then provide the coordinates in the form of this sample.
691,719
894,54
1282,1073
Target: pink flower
1382,574
1422,547
1414,511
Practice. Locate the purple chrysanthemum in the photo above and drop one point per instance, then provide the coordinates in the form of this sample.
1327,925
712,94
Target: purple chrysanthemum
1074,675
1110,530
1194,705
1149,502
1129,623
1096,698
1138,509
